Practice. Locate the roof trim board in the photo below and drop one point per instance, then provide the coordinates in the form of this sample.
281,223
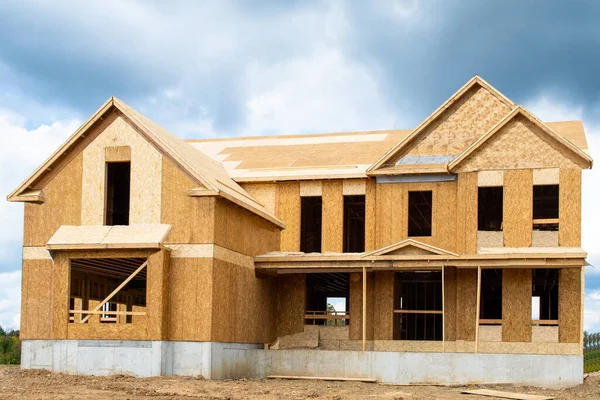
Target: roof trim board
519,110
198,165
476,80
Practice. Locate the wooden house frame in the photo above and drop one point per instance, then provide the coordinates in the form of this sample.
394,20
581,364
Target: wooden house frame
232,250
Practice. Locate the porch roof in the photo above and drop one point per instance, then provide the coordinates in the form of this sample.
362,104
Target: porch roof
139,236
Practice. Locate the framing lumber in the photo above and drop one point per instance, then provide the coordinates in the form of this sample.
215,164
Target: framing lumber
478,309
364,310
322,378
443,311
114,292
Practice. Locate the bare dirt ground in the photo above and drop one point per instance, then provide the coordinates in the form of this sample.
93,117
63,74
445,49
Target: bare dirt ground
43,385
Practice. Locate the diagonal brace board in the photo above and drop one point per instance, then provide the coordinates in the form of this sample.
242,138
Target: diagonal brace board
114,292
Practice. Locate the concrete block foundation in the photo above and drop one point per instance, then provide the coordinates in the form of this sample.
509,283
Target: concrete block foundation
214,360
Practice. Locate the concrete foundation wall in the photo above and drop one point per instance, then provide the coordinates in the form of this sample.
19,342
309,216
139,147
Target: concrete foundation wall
214,360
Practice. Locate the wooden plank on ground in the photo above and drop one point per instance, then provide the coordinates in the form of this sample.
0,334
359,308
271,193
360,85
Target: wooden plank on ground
507,395
321,378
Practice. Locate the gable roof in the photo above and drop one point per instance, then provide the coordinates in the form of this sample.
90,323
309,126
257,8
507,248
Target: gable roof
402,145
209,174
519,110
406,243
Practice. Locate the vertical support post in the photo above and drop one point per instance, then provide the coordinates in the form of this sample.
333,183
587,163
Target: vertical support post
364,310
478,309
581,315
443,312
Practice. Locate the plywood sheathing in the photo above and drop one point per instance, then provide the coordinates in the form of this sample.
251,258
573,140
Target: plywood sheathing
157,295
191,218
61,278
98,331
353,187
490,178
146,171
36,299
333,217
239,230
370,214
264,193
488,239
490,333
544,334
518,208
569,227
466,304
466,213
518,144
244,308
569,305
546,176
450,303
516,305
117,154
384,305
289,213
544,239
291,300
62,205
190,299
356,304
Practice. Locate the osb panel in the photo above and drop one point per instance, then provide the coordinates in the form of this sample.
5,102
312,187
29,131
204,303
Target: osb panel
516,305
157,292
356,306
288,211
370,214
62,205
490,333
244,305
117,154
191,218
544,334
61,279
490,239
190,307
569,227
242,231
490,178
410,250
546,176
264,193
384,306
450,300
97,331
476,112
519,145
333,217
311,188
146,171
529,348
36,299
420,346
518,208
569,305
291,300
466,303
392,213
466,213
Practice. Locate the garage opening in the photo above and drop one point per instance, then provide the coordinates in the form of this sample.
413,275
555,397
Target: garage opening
311,220
107,290
327,299
418,305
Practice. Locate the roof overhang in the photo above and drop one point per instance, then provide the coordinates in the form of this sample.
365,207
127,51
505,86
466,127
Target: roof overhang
139,236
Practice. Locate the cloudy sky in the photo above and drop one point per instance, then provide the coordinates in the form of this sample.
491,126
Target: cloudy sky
211,69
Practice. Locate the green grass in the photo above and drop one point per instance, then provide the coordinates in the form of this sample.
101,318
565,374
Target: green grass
591,361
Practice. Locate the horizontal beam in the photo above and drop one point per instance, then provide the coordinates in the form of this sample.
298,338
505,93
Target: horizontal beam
107,312
438,312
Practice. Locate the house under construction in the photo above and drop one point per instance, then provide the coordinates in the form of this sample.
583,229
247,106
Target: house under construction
449,253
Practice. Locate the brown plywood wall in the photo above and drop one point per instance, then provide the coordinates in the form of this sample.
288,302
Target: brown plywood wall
191,218
291,301
569,228
516,305
243,305
62,205
240,230
518,207
36,299
157,292
466,303
332,238
569,306
466,213
60,295
384,306
370,214
190,299
356,305
450,299
288,211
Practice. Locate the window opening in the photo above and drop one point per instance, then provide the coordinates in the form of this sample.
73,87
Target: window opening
354,224
491,296
489,208
311,219
545,207
118,176
545,294
419,213
327,299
